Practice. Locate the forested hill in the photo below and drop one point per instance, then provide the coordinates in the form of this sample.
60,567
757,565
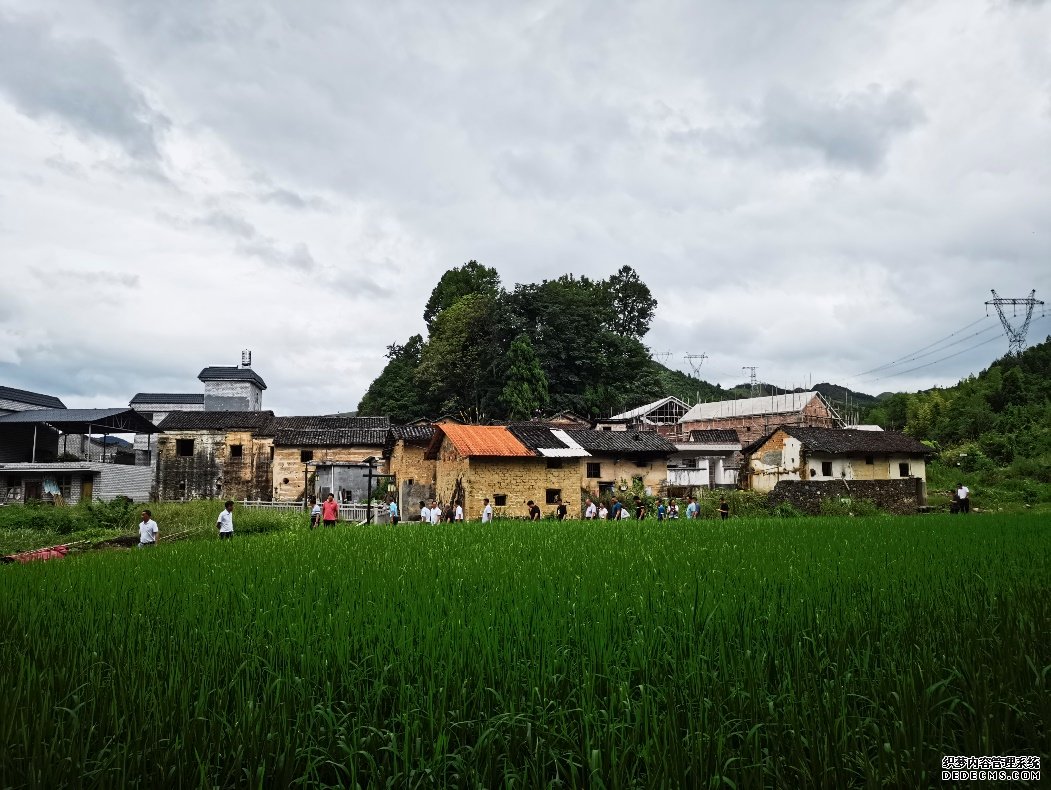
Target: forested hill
493,353
1000,416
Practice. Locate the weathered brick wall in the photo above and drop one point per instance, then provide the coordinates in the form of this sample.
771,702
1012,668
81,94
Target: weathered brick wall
519,479
902,496
210,473
288,466
749,428
654,473
232,396
408,462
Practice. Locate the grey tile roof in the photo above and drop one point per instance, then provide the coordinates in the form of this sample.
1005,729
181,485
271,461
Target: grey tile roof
330,431
190,398
629,443
232,373
847,441
714,436
261,422
32,398
412,434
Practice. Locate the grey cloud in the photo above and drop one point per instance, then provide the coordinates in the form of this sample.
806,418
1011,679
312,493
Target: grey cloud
79,83
291,199
84,277
256,244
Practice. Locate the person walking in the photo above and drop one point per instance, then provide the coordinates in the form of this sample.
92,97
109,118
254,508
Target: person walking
392,509
724,508
561,511
590,511
436,512
963,493
693,509
673,510
615,509
487,511
315,512
534,511
458,513
330,511
425,513
225,522
603,511
147,531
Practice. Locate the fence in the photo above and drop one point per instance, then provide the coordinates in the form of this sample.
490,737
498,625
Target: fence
347,512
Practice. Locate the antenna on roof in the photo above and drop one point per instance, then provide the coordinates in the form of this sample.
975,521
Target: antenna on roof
246,358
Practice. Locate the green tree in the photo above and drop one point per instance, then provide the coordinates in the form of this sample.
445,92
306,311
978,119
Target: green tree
631,303
526,391
471,278
394,392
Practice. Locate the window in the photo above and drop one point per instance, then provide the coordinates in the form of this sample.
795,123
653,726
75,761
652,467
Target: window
594,470
553,496
869,460
237,451
903,470
554,463
642,464
65,485
14,481
500,500
688,463
306,456
184,448
826,469
605,488
409,482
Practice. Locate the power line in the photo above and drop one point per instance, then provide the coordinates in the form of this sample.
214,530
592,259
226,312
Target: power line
935,362
908,357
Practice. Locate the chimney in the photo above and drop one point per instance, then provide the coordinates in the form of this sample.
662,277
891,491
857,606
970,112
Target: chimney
246,358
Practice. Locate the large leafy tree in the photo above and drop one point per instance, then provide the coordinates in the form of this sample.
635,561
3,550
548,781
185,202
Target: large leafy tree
461,281
526,392
631,303
394,392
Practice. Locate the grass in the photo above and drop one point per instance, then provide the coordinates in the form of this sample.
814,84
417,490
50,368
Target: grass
792,653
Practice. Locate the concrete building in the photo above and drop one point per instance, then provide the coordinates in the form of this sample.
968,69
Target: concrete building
73,482
12,399
415,474
216,454
753,418
704,459
155,406
232,388
829,454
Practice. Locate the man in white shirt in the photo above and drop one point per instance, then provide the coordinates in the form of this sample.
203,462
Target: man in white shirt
963,493
487,511
603,512
315,513
147,531
225,522
436,513
425,513
458,513
590,511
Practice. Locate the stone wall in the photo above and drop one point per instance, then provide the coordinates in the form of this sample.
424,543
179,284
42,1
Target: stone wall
902,496
288,466
211,472
654,473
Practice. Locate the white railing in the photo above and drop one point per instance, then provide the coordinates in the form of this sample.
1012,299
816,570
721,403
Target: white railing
347,512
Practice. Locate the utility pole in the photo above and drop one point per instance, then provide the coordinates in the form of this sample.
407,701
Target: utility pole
752,379
1015,335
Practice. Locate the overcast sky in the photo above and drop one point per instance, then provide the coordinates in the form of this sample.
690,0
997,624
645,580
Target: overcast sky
814,188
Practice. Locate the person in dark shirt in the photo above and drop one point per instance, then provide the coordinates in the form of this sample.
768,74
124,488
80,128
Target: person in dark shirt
724,508
615,508
640,509
534,511
561,510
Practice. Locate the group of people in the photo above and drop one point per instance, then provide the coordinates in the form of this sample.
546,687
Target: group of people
961,499
149,532
665,510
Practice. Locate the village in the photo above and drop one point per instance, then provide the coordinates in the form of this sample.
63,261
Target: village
220,443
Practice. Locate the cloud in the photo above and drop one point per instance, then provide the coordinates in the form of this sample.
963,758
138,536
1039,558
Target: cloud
257,245
79,83
87,277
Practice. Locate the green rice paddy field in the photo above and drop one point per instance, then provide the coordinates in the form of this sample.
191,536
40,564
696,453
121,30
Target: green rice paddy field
766,653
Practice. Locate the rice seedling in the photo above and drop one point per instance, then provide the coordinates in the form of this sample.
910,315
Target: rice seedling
801,652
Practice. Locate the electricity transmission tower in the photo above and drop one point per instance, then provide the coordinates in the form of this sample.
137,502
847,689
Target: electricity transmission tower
661,356
1015,335
695,361
752,380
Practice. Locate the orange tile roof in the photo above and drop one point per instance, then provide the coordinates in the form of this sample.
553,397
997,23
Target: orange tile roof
490,440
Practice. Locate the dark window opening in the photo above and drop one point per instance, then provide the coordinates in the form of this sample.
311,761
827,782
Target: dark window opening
284,481
306,456
642,464
554,463
409,482
237,451
14,481
553,496
65,485
826,469
184,448
869,460
606,487
903,470
688,463
500,500
182,489
594,470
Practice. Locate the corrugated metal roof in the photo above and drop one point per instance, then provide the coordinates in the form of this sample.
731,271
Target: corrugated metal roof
748,407
120,420
32,398
483,440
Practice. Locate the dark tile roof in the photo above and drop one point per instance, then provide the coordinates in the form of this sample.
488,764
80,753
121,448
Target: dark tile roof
536,435
622,442
330,431
190,398
261,422
32,398
412,434
714,436
232,373
848,441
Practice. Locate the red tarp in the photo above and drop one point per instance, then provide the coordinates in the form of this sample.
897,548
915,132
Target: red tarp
50,553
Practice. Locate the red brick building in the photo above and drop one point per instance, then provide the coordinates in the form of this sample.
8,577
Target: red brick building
753,418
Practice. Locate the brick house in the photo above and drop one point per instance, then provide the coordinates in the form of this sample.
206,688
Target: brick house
658,415
478,461
215,454
753,418
414,473
324,448
830,454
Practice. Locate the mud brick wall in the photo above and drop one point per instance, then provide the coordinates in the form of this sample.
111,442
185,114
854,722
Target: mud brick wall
901,496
